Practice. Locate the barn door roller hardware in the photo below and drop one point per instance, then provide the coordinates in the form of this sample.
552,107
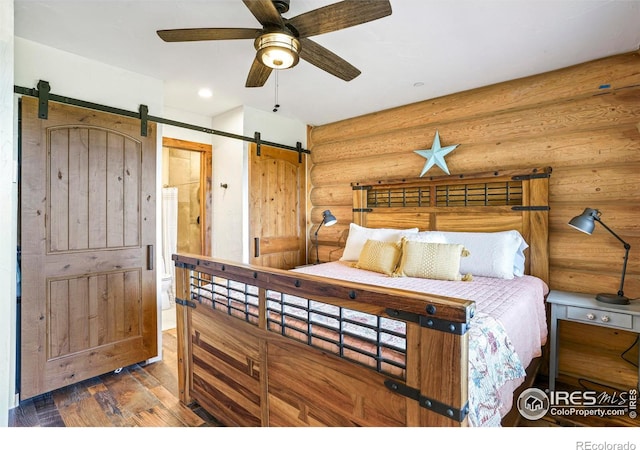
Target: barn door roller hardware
43,99
144,117
258,140
428,403
44,96
300,151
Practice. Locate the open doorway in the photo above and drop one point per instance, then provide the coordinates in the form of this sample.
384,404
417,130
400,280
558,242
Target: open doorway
186,211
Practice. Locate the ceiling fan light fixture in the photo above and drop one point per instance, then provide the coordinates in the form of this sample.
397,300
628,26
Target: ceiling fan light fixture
278,50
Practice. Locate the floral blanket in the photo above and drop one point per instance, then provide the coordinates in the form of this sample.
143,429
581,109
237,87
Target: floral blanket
492,363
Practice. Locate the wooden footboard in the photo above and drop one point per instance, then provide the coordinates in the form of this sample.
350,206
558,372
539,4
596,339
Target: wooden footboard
244,356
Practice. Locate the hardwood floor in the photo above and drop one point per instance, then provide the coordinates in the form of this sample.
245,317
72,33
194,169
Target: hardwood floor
147,396
137,396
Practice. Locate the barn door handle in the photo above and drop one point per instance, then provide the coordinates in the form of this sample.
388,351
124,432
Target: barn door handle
149,257
256,242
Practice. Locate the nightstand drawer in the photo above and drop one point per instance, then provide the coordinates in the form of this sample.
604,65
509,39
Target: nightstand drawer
617,320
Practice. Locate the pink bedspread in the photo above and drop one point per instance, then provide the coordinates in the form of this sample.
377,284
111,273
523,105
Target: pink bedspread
513,308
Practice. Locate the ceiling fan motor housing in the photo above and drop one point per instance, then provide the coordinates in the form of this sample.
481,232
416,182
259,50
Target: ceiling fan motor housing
281,5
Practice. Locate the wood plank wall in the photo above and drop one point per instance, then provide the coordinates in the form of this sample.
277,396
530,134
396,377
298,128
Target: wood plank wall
583,121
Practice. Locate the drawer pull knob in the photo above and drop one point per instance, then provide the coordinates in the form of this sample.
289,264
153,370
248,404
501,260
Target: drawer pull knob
591,316
605,318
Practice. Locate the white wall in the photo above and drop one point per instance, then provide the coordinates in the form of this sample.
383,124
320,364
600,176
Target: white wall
85,79
184,133
228,168
274,128
8,204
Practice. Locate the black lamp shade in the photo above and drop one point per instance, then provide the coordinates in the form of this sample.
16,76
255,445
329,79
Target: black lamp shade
328,219
585,222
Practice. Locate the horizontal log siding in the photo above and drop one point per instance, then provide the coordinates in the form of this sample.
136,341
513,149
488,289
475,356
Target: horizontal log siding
583,121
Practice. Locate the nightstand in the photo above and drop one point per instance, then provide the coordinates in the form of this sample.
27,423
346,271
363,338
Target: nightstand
584,308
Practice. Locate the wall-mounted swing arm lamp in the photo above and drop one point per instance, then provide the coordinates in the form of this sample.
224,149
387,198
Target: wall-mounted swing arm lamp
585,222
328,219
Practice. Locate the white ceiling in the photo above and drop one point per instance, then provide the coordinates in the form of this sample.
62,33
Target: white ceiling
425,49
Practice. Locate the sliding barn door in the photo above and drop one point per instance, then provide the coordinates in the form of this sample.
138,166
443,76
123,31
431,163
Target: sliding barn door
277,183
87,234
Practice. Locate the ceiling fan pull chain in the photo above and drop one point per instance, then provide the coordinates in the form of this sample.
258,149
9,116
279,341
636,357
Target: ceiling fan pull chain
276,105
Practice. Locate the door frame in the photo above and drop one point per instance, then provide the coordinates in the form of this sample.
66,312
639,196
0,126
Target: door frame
206,194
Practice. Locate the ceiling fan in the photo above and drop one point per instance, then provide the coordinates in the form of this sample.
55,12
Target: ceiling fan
281,42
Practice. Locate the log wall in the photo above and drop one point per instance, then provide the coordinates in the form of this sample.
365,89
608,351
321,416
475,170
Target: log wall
583,121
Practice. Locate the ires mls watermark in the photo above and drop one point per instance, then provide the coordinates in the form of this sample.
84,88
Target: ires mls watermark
534,403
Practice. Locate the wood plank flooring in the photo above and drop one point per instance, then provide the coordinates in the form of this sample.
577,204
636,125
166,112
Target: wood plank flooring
147,396
137,396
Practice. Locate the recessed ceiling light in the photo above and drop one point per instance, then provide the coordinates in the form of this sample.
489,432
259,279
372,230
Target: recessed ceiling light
205,93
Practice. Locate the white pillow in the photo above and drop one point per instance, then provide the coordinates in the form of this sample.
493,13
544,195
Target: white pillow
498,255
430,237
358,235
519,258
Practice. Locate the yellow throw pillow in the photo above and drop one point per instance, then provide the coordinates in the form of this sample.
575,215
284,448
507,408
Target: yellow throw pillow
379,256
431,260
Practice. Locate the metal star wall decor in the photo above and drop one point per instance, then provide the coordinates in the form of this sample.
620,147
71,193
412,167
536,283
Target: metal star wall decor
436,155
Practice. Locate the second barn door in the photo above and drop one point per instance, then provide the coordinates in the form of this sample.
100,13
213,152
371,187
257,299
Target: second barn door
277,182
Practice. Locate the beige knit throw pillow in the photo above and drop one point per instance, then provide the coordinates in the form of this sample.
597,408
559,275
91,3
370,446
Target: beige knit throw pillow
379,256
431,260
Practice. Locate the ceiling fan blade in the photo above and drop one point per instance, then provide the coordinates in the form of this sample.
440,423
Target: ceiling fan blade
326,60
208,34
265,12
337,16
258,74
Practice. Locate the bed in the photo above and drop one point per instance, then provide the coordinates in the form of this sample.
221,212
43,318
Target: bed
340,344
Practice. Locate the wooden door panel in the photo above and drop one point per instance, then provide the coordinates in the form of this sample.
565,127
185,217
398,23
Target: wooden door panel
279,244
88,311
277,213
105,187
88,221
